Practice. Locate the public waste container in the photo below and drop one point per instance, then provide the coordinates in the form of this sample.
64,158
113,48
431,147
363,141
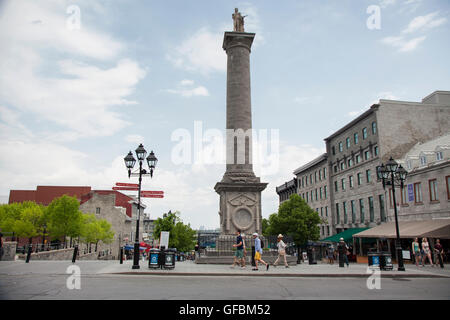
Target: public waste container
153,259
373,259
169,259
386,261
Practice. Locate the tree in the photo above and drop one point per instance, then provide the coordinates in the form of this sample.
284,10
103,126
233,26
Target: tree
94,230
181,235
65,219
296,219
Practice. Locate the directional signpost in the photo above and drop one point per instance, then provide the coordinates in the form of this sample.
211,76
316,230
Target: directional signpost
135,187
152,194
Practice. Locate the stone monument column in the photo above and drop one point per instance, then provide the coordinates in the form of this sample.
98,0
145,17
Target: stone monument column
240,190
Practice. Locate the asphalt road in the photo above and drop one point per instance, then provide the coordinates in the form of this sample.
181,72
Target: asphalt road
104,287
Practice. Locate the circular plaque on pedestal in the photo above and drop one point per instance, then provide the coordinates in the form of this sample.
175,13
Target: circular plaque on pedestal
242,219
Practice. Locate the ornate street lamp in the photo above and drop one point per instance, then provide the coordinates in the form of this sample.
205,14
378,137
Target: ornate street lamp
394,175
130,161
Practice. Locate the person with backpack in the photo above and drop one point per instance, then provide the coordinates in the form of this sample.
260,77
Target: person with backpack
258,252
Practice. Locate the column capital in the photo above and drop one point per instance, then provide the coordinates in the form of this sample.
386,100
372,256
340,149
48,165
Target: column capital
237,39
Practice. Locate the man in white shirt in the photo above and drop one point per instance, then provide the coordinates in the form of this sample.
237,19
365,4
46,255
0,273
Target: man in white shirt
281,251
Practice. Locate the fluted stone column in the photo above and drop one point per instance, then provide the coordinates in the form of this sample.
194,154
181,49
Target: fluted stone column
239,190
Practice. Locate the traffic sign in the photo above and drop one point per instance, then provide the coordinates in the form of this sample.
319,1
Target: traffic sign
120,184
126,188
152,193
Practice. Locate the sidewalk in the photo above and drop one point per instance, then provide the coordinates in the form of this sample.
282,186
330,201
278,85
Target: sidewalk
189,268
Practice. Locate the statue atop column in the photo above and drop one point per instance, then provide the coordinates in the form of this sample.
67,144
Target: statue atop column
238,20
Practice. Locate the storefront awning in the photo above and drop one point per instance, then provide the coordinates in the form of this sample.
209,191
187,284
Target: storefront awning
439,228
347,235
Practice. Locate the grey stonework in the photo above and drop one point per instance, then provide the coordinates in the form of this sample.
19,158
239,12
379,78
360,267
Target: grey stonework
122,225
9,251
240,190
389,128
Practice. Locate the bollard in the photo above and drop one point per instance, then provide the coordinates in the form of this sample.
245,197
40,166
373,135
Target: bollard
121,255
30,248
253,256
75,253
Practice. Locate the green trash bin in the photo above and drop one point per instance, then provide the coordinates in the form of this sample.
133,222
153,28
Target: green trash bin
386,261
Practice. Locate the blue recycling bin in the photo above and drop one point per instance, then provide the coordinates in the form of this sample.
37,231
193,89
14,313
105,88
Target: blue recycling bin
153,259
373,259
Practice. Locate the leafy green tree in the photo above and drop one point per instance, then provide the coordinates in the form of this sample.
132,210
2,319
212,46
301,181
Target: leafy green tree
265,227
9,214
64,218
94,230
296,219
30,222
181,235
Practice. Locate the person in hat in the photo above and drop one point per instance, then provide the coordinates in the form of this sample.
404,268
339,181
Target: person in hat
258,252
343,251
281,251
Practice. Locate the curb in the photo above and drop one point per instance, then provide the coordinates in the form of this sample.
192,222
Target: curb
282,275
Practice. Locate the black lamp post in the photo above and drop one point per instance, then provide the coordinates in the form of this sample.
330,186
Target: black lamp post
129,163
394,175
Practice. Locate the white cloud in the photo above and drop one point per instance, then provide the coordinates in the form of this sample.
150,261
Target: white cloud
202,52
134,138
422,23
75,95
402,44
186,89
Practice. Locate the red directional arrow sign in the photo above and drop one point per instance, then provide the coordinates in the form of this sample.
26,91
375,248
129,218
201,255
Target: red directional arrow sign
120,184
152,194
126,188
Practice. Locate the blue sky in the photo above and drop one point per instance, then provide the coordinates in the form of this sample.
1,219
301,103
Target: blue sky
73,102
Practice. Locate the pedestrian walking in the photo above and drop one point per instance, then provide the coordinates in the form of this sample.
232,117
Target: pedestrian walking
343,252
416,251
439,252
281,251
258,253
239,254
330,253
426,252
244,250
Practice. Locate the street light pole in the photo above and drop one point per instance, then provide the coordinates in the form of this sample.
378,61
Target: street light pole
395,172
129,163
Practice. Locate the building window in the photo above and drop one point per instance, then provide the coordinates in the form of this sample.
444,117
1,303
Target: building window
439,156
376,151
340,147
353,205
307,197
347,141
350,181
359,177
423,160
336,186
311,196
326,211
358,158
404,193
418,192
338,218
328,230
315,176
321,211
324,173
344,207
447,182
333,150
349,163
367,155
343,184
325,191
361,210
320,175
374,127
310,179
382,212
97,210
364,133
342,165
368,177
371,210
315,191
355,138
335,168
433,190
321,194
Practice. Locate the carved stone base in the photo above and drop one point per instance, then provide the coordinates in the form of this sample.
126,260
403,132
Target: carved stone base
240,207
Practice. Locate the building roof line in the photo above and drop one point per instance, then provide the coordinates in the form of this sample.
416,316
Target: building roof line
356,120
312,163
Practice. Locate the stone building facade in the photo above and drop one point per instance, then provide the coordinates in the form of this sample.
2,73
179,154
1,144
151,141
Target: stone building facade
356,197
